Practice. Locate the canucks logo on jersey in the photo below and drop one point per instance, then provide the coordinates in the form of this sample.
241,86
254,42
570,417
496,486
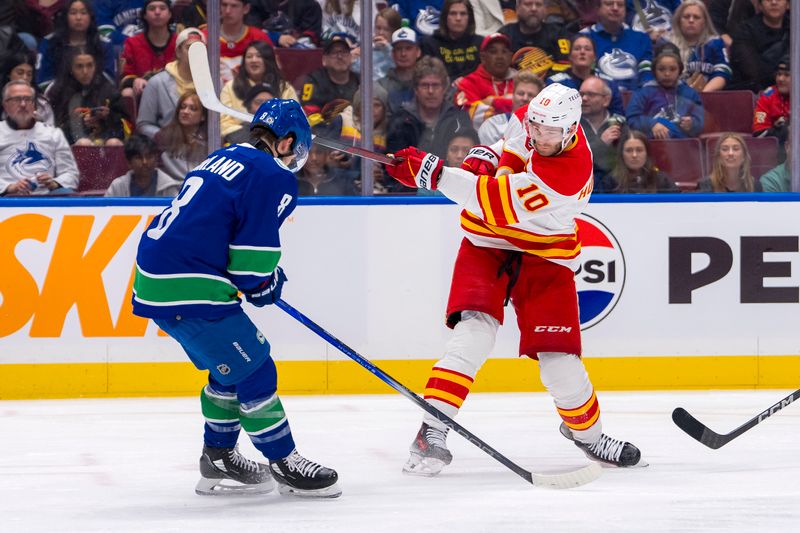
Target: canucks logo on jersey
28,162
618,65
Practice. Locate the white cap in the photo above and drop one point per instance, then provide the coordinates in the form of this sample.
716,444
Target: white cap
404,34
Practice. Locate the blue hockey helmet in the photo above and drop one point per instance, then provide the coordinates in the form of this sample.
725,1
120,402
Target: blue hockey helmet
284,118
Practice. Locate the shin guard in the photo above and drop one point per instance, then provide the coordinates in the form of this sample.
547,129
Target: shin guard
566,379
221,411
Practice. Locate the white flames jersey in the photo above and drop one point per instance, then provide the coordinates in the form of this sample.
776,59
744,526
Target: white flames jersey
532,211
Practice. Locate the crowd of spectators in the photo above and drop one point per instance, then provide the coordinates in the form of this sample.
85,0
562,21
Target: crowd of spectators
447,75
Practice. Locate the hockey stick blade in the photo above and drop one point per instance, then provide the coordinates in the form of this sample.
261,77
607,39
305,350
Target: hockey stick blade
704,435
566,480
204,86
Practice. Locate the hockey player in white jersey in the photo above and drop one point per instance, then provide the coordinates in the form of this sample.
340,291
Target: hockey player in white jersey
221,236
522,246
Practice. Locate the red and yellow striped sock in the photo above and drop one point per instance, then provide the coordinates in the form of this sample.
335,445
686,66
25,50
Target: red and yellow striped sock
448,386
583,417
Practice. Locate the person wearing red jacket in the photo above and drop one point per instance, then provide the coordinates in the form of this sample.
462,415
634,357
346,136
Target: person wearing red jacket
773,107
487,90
148,52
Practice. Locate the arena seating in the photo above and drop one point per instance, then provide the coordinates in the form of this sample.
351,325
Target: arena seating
681,159
763,153
98,166
295,63
727,111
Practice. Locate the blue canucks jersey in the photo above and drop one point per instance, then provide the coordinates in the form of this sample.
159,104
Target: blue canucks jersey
624,57
217,237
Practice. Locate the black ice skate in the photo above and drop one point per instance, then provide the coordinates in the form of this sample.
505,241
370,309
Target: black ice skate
429,453
299,476
607,450
225,471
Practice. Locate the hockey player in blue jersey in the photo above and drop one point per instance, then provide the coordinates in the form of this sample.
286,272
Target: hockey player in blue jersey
218,237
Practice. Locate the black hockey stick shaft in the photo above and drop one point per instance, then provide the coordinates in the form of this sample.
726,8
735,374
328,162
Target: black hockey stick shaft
703,434
405,391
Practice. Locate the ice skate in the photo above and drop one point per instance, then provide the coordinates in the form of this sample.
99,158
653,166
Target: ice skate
607,450
225,471
302,477
429,453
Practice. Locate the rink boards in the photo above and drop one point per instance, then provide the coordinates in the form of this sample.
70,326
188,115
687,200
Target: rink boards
684,292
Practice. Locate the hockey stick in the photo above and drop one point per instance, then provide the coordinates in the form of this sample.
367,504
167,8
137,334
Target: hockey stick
701,433
201,74
566,480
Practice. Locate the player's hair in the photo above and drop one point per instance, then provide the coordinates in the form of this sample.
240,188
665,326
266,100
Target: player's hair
176,142
430,66
717,175
446,11
272,75
626,181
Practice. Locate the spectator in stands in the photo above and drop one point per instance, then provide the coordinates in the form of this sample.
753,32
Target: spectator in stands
148,52
300,19
758,44
455,42
86,105
22,66
491,15
458,146
624,54
334,80
118,19
653,18
779,179
387,21
144,178
423,15
773,107
75,26
190,14
160,96
666,108
258,66
526,86
487,90
256,95
582,57
321,176
40,15
730,167
726,15
634,171
235,36
380,119
35,158
702,51
337,18
549,43
603,129
182,142
398,82
429,120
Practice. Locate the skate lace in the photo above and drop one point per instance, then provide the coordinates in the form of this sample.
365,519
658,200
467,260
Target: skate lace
241,461
435,437
301,465
607,448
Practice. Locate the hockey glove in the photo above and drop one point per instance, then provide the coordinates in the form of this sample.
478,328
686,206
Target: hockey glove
269,291
481,161
418,169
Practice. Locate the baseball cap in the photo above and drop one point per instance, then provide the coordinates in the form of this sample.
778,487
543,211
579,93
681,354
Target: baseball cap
492,37
784,63
404,35
188,32
338,38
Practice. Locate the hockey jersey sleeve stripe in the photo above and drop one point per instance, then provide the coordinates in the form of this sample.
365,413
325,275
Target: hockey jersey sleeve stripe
512,161
182,289
252,260
494,198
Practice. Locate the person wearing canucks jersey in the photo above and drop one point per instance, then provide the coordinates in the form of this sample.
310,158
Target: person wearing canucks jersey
218,237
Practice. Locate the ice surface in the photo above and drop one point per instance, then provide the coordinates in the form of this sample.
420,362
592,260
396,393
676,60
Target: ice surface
130,465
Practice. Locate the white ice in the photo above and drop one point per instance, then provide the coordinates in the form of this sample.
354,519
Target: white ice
130,465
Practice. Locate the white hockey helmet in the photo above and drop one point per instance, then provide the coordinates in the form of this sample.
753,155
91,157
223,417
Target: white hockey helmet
557,105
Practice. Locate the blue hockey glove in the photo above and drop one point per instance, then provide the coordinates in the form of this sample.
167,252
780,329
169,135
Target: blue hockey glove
269,291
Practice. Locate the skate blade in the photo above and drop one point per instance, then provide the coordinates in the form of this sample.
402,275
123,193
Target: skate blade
227,487
641,464
418,465
333,491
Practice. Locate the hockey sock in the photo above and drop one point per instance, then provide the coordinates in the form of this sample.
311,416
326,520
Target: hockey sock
566,379
221,411
266,423
452,377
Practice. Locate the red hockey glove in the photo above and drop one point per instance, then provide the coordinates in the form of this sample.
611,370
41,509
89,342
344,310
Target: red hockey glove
417,169
481,160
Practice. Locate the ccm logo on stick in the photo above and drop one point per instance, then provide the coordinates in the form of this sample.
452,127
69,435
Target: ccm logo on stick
754,268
